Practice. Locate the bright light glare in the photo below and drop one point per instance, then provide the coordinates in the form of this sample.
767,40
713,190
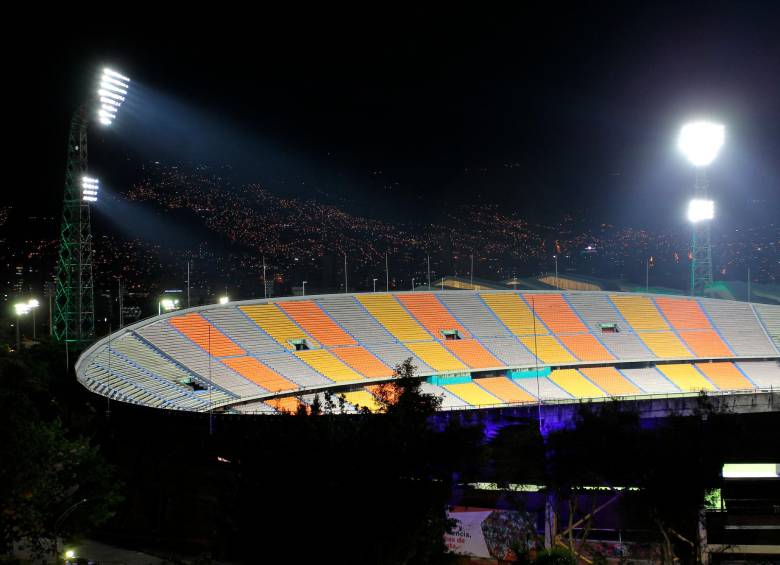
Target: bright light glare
113,73
701,141
112,91
21,308
699,210
224,299
167,304
32,303
70,554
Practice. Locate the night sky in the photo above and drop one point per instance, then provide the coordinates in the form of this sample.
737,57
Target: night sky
539,111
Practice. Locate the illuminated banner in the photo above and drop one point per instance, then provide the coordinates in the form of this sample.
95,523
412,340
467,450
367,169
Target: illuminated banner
487,533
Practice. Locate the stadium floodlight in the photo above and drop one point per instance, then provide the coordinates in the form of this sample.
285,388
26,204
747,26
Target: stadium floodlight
22,308
700,209
700,142
111,92
89,189
224,299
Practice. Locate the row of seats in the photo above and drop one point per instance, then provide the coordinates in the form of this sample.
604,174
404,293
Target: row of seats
583,384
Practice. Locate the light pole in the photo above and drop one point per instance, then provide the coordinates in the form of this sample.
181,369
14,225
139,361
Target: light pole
21,309
375,284
700,142
555,257
303,289
412,283
33,304
58,523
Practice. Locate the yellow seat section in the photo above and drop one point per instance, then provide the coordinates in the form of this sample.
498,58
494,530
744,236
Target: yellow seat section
471,352
209,338
705,343
547,348
575,384
725,375
316,323
685,376
609,379
556,313
276,324
683,313
258,373
325,363
586,347
432,353
472,394
664,344
363,361
393,317
639,312
515,313
505,389
427,310
362,399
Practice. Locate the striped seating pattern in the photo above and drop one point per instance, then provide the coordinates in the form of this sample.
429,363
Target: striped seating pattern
247,350
316,323
276,324
427,310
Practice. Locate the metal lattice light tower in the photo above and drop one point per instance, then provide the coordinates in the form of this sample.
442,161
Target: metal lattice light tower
74,312
701,142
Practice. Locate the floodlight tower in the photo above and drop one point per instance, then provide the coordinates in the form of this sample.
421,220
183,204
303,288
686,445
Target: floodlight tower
701,142
74,313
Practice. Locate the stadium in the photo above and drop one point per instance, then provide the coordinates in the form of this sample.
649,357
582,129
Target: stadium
474,349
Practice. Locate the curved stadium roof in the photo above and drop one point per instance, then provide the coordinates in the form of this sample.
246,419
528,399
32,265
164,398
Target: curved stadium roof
473,348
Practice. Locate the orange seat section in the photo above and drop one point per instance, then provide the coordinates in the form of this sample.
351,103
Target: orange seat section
585,347
725,375
610,380
258,373
316,323
287,404
428,311
362,361
471,352
199,330
683,313
504,389
705,343
556,313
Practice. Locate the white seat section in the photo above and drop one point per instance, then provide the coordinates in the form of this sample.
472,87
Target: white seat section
448,400
770,315
150,360
766,374
650,380
293,369
168,340
472,312
354,319
544,389
737,323
392,354
625,346
509,351
254,408
248,335
595,309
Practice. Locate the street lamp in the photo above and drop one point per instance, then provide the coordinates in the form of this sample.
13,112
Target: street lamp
701,142
374,284
224,299
21,309
303,288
